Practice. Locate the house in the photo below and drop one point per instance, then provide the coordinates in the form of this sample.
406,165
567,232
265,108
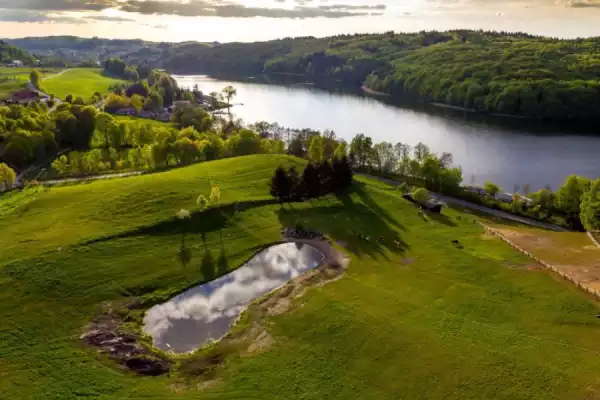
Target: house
15,64
27,96
182,104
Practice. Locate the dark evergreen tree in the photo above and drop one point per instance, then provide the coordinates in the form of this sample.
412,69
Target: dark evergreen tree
326,178
297,191
281,185
342,173
311,181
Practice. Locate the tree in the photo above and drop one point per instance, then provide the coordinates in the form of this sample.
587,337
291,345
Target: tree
229,92
590,207
421,152
341,151
384,157
315,150
342,173
35,77
326,178
281,185
296,148
7,176
61,164
137,102
361,146
403,155
310,181
69,98
491,188
104,122
431,170
243,143
568,199
421,195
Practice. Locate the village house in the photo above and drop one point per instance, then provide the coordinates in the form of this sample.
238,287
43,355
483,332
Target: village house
27,96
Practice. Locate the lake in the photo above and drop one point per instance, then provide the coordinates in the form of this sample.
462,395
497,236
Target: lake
506,151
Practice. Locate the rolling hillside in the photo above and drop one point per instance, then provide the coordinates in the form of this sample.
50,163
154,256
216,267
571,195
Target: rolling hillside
413,317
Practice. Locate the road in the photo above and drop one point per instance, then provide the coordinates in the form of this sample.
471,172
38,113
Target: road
477,207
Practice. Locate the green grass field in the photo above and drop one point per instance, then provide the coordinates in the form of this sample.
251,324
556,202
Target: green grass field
143,121
13,79
424,321
79,82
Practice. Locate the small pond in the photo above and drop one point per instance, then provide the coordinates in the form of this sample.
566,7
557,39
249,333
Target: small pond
207,312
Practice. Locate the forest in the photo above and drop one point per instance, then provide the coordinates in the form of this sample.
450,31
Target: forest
493,72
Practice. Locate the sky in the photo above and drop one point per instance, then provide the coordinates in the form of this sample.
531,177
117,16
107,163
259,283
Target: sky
255,20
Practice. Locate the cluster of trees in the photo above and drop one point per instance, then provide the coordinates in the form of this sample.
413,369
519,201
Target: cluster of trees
497,72
30,135
10,53
152,90
120,145
318,179
576,203
435,172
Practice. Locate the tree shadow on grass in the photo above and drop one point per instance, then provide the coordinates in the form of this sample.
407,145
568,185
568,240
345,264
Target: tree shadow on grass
441,218
359,189
358,226
207,267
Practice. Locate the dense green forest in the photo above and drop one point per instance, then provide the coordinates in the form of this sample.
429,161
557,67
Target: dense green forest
9,53
505,73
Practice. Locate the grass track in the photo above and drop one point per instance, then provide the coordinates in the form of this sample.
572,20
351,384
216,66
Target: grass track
424,321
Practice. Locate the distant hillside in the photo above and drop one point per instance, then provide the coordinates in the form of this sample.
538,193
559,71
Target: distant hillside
495,72
9,53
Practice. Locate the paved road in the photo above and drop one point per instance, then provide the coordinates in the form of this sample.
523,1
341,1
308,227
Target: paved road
477,207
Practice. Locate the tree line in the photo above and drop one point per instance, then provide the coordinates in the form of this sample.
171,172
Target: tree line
317,179
495,72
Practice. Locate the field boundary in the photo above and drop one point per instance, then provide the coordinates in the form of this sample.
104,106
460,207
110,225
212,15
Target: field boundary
593,238
541,262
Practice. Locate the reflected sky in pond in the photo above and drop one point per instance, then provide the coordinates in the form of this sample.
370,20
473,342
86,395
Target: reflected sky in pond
208,311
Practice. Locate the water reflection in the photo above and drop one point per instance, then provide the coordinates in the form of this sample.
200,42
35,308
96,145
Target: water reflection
206,312
503,150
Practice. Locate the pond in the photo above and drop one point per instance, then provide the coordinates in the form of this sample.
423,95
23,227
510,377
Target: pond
208,311
506,151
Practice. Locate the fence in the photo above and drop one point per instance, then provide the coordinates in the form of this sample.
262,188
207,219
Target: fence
593,238
541,262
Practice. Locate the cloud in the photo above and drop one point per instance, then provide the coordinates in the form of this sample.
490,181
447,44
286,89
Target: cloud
24,9
194,8
36,16
110,19
583,4
58,5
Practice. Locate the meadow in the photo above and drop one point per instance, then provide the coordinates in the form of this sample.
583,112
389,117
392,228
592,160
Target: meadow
79,82
423,319
13,79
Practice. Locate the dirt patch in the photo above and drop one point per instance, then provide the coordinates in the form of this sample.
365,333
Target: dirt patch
107,335
407,261
262,342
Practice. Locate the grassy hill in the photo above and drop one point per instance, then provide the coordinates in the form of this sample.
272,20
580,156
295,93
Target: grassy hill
13,79
79,82
423,320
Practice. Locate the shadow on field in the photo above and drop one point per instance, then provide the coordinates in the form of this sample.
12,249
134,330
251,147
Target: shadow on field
359,189
210,220
360,227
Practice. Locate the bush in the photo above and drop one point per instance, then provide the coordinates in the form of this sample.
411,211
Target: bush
421,195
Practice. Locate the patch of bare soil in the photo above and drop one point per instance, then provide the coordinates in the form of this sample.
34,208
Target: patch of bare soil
106,334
